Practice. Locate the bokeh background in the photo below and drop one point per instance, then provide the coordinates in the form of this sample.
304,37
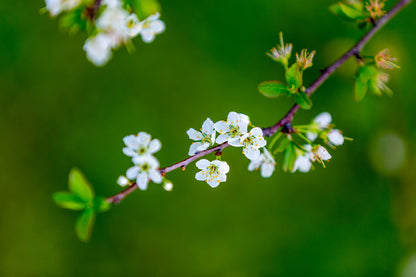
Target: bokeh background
357,217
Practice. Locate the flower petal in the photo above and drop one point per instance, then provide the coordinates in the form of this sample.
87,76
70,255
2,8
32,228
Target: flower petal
142,181
158,26
335,137
193,149
154,146
200,176
221,127
129,152
236,142
214,182
208,126
131,142
194,134
311,136
251,152
155,176
323,120
143,138
132,172
233,118
222,138
202,164
267,170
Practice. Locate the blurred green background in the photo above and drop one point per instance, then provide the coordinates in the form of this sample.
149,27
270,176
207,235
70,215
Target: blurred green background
357,217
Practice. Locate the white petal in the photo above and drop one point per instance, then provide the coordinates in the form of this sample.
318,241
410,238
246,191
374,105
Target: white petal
223,166
202,164
214,182
256,131
323,120
323,153
233,118
244,119
194,134
194,148
155,176
251,152
154,146
123,181
208,126
132,172
236,142
268,156
311,136
143,138
131,142
147,36
303,164
203,146
142,181
222,138
255,164
335,137
200,176
221,127
129,152
308,147
267,170
158,26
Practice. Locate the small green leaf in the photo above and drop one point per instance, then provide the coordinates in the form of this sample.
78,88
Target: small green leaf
272,89
100,204
348,12
84,224
289,157
303,100
294,76
366,79
283,144
360,89
79,185
69,200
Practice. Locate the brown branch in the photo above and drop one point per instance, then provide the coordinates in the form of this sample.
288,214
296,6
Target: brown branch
354,51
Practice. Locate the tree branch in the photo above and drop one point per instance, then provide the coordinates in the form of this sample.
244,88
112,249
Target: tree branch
355,50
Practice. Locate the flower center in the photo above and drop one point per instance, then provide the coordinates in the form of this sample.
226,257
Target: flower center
141,150
145,167
130,24
234,131
248,140
213,169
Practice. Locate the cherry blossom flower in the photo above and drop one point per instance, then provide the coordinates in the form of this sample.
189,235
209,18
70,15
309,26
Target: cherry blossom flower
265,162
252,142
203,139
212,172
132,25
98,49
320,122
303,161
150,27
140,145
319,153
123,181
55,7
145,169
335,137
232,129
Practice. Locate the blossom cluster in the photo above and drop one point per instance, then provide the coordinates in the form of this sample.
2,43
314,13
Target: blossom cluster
115,25
235,132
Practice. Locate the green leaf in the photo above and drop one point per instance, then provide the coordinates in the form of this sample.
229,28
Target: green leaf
294,76
289,157
100,204
143,8
272,89
360,89
79,185
74,21
303,100
69,200
348,12
84,224
283,144
366,79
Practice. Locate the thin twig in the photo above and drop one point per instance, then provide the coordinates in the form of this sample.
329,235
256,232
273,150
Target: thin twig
355,50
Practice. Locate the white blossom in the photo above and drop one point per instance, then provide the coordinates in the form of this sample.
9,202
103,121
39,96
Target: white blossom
232,129
335,137
55,7
320,154
203,139
265,162
132,25
140,145
111,3
303,161
145,169
252,142
320,122
98,49
168,185
150,27
112,22
123,181
212,172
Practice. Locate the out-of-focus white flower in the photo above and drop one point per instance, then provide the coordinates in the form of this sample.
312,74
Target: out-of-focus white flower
335,137
150,27
98,49
132,25
112,22
111,3
265,162
303,161
168,185
320,154
145,169
123,181
212,172
252,142
232,129
203,139
320,122
55,7
140,145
